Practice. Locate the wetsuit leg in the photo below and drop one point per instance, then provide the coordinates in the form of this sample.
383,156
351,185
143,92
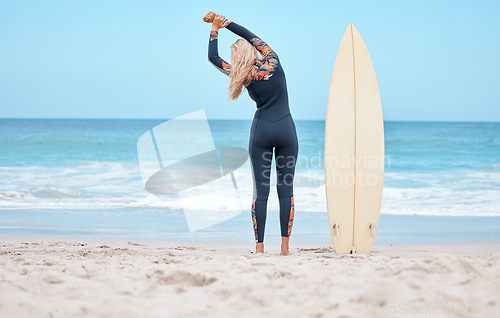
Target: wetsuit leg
264,136
286,158
261,152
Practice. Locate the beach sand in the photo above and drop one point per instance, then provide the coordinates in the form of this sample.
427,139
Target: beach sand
115,278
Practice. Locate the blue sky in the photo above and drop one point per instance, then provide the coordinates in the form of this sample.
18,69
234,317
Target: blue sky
435,60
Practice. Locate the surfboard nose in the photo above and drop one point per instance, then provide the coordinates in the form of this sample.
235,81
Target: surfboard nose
348,30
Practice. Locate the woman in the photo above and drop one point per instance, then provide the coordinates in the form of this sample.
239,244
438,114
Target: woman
272,126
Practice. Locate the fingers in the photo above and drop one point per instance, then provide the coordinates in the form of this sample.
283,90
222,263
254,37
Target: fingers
218,21
209,17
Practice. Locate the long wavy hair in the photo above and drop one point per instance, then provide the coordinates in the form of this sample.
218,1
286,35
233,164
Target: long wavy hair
243,59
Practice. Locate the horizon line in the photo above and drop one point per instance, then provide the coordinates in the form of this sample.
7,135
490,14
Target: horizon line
237,119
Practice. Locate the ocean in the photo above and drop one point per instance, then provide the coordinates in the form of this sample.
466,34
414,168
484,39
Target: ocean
81,178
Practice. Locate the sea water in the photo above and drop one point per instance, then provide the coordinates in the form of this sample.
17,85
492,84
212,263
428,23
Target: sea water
81,178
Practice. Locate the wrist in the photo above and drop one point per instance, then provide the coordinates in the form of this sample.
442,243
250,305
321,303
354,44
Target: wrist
214,28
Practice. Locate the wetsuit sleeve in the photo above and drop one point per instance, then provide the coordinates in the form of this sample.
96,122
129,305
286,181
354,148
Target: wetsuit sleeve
259,44
213,54
270,59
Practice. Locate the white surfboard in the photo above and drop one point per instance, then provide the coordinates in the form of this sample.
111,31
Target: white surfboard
354,148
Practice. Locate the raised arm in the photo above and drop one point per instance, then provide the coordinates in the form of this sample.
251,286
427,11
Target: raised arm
213,53
266,67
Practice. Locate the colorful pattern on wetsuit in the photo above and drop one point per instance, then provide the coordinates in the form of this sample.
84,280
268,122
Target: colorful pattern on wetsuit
214,35
225,65
268,67
254,222
290,220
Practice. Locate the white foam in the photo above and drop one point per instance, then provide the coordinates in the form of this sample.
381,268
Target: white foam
101,185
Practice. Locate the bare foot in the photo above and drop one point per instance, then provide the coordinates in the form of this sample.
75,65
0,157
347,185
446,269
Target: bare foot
259,248
284,246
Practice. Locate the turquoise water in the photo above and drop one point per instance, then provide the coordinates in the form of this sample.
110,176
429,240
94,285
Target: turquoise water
80,177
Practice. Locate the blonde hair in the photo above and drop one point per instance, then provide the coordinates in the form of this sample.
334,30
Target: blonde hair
243,58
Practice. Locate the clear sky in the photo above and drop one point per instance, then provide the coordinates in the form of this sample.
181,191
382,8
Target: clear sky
435,60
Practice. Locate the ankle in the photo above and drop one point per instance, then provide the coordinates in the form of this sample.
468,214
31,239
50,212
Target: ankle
259,247
285,240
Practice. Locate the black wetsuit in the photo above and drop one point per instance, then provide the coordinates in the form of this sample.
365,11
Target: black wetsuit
272,127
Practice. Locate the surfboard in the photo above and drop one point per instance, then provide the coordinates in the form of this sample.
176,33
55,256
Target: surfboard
354,148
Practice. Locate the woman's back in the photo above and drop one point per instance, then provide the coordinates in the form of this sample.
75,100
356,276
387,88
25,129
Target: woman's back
271,95
268,83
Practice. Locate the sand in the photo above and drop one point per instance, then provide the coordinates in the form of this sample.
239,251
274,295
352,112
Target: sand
106,278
